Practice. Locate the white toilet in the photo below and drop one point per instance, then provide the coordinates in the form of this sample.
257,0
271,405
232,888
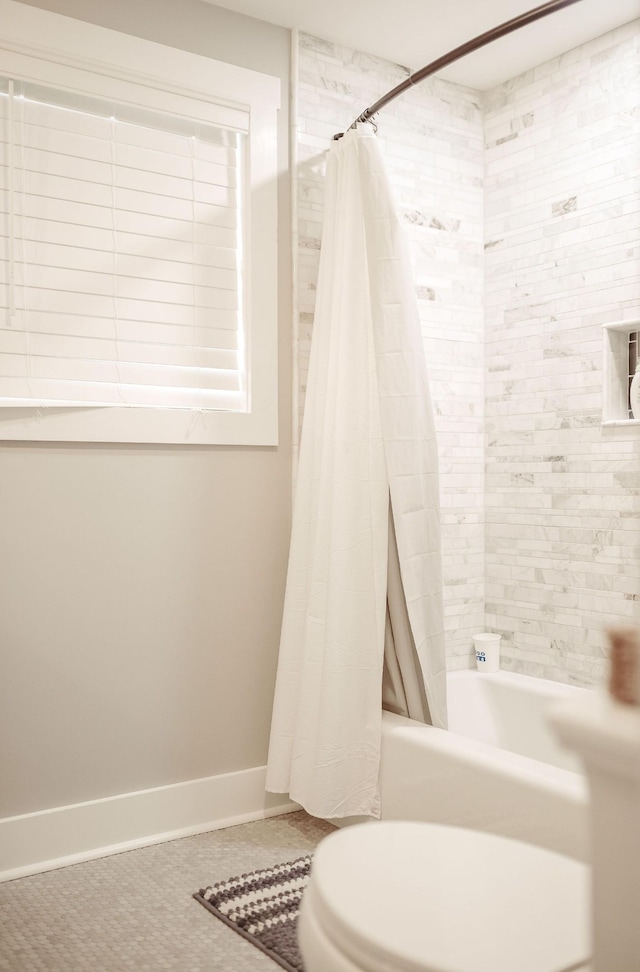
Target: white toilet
415,897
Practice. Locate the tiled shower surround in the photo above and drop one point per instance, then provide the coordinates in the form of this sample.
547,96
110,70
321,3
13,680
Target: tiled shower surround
522,208
562,225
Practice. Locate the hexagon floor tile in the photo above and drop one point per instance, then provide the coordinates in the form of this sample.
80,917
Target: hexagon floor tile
133,912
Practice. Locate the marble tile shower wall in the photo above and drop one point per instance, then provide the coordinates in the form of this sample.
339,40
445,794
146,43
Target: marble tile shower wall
432,141
543,173
562,210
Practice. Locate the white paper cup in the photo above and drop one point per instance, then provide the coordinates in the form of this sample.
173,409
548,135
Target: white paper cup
487,648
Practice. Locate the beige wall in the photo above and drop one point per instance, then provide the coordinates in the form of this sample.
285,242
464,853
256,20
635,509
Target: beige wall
140,586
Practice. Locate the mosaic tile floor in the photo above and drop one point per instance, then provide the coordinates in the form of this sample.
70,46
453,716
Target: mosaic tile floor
134,911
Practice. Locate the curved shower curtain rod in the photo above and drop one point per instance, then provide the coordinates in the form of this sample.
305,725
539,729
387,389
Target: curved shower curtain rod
473,45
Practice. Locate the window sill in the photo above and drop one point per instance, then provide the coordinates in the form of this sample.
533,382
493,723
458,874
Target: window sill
150,425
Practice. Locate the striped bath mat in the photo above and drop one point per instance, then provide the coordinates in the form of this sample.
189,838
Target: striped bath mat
263,907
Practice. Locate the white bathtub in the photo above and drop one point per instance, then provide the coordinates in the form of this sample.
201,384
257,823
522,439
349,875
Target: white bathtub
498,768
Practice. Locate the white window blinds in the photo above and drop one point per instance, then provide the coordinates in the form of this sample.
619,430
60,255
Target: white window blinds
122,242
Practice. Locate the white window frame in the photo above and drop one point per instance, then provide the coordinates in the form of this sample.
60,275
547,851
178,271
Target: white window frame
55,47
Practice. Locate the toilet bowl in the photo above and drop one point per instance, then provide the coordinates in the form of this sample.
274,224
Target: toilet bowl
415,897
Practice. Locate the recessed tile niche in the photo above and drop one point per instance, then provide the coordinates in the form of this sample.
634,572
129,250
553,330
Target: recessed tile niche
620,353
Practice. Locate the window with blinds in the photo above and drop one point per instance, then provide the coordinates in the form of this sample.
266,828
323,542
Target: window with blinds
138,239
122,274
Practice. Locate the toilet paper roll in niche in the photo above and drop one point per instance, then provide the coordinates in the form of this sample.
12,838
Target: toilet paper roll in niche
487,648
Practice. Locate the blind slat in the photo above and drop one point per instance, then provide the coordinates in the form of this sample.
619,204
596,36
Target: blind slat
213,334
109,208
67,149
68,183
128,168
19,391
96,305
127,265
126,244
164,144
117,372
54,345
105,284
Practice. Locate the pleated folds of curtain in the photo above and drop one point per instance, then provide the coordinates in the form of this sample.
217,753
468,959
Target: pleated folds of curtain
364,577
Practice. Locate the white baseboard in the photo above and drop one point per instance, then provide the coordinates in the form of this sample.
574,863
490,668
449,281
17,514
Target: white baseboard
48,839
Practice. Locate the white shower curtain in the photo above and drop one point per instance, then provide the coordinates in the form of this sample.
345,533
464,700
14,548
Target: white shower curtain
368,446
